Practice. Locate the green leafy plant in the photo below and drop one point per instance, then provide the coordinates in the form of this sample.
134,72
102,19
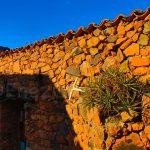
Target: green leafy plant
113,92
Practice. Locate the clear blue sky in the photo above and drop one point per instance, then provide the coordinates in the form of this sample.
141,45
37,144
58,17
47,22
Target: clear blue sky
24,21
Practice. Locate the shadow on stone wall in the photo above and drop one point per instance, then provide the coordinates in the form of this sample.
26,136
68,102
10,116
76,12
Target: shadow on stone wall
42,121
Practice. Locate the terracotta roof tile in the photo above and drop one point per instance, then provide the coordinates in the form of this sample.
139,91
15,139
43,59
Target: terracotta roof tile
70,34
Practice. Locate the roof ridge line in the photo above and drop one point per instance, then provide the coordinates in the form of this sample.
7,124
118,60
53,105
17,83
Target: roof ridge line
70,33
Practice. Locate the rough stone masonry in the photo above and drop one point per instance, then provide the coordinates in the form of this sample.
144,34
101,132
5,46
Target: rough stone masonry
45,72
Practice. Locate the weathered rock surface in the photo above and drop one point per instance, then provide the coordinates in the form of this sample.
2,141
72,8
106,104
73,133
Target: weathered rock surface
58,70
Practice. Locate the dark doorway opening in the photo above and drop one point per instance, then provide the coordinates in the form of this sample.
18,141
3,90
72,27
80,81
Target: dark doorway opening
12,125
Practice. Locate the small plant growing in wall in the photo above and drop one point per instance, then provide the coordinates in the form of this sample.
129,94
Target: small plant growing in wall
113,92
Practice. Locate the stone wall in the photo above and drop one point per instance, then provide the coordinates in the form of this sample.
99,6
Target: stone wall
55,120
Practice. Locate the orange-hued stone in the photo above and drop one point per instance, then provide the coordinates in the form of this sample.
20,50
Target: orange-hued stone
59,76
104,54
82,43
147,131
58,56
145,79
145,108
110,62
113,129
88,58
96,117
109,141
93,51
75,112
67,56
120,56
138,24
57,72
98,143
69,61
77,59
145,51
140,61
90,115
110,46
138,126
121,30
45,68
2,69
83,144
75,96
50,55
44,54
93,41
102,37
56,65
143,39
85,50
147,18
130,34
134,138
89,36
56,50
16,67
51,74
44,47
41,64
126,44
97,68
129,127
100,47
78,128
118,143
135,37
49,51
129,26
141,70
83,56
77,119
124,67
140,29
64,65
62,81
86,69
121,40
144,139
132,50
96,32
69,110
27,71
41,60
63,73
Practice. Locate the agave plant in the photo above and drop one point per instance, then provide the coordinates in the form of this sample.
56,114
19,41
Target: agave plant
114,92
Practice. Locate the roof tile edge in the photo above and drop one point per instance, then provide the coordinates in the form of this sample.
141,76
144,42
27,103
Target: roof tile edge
60,37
